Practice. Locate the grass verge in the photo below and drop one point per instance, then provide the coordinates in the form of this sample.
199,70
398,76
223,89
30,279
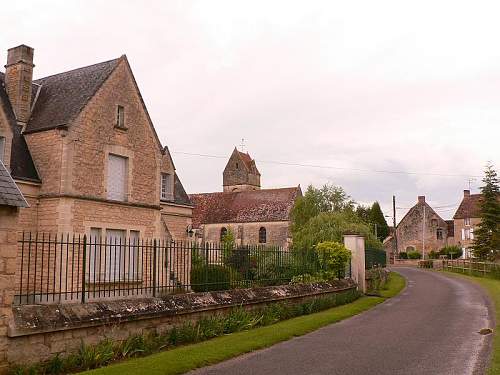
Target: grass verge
186,358
492,286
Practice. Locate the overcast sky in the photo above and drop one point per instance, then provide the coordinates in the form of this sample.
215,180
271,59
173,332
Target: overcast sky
358,86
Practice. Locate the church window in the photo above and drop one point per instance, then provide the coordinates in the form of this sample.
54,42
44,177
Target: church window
262,235
237,166
223,233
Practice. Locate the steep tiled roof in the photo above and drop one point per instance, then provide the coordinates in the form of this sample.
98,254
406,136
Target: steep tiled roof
469,207
21,163
180,195
248,162
62,96
245,206
10,195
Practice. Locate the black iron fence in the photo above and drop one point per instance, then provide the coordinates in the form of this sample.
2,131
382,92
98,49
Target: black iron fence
375,258
80,268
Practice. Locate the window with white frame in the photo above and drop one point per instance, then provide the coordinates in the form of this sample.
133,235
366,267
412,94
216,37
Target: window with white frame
467,221
117,177
167,191
467,233
2,148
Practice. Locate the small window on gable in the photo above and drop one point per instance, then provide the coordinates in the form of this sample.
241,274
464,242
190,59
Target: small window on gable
120,117
262,235
467,221
237,165
2,148
439,234
166,187
223,233
434,222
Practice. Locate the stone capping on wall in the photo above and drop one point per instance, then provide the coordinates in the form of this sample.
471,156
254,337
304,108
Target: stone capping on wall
35,319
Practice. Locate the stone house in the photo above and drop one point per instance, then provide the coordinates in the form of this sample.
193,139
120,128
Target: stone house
84,152
255,216
421,228
466,219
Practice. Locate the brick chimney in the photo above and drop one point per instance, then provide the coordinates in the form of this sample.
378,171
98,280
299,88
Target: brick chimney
421,199
18,78
466,193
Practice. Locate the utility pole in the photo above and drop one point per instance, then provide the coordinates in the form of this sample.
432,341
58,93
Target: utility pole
394,225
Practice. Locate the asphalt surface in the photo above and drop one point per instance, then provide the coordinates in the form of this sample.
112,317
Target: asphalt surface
430,328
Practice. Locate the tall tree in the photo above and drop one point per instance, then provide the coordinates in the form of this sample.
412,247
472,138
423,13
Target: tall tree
487,235
377,218
363,212
328,198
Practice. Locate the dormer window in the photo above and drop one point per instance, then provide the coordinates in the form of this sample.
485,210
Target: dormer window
467,221
167,193
120,117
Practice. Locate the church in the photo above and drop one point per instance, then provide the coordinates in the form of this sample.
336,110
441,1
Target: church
255,216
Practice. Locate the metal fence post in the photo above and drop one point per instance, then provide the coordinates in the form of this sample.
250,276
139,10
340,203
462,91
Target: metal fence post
154,268
84,266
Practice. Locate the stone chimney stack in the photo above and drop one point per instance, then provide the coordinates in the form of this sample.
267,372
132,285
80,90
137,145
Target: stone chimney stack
18,78
421,199
466,193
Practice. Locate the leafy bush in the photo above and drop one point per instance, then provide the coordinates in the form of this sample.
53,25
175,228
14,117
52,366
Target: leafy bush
206,278
414,255
332,257
451,251
433,254
403,255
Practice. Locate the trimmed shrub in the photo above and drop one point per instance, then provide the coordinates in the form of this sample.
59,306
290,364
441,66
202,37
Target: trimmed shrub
450,251
403,255
414,255
206,278
433,254
332,257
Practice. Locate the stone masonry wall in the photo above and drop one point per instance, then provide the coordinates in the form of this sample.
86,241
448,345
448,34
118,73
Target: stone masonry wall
98,136
46,149
42,331
248,233
8,264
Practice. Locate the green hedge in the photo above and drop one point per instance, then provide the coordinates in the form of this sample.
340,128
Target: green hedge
206,278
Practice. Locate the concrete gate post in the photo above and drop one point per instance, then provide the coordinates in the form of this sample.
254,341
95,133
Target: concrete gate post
356,244
8,265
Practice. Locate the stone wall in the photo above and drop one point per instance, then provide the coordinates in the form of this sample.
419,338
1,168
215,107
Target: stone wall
41,331
277,232
8,262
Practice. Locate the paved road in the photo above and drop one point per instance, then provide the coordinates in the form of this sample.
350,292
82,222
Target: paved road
430,328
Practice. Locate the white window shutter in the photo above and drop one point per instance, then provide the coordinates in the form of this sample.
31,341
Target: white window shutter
463,233
117,177
471,233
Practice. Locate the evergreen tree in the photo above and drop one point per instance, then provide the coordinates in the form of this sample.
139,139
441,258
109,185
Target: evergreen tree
364,213
377,218
487,235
